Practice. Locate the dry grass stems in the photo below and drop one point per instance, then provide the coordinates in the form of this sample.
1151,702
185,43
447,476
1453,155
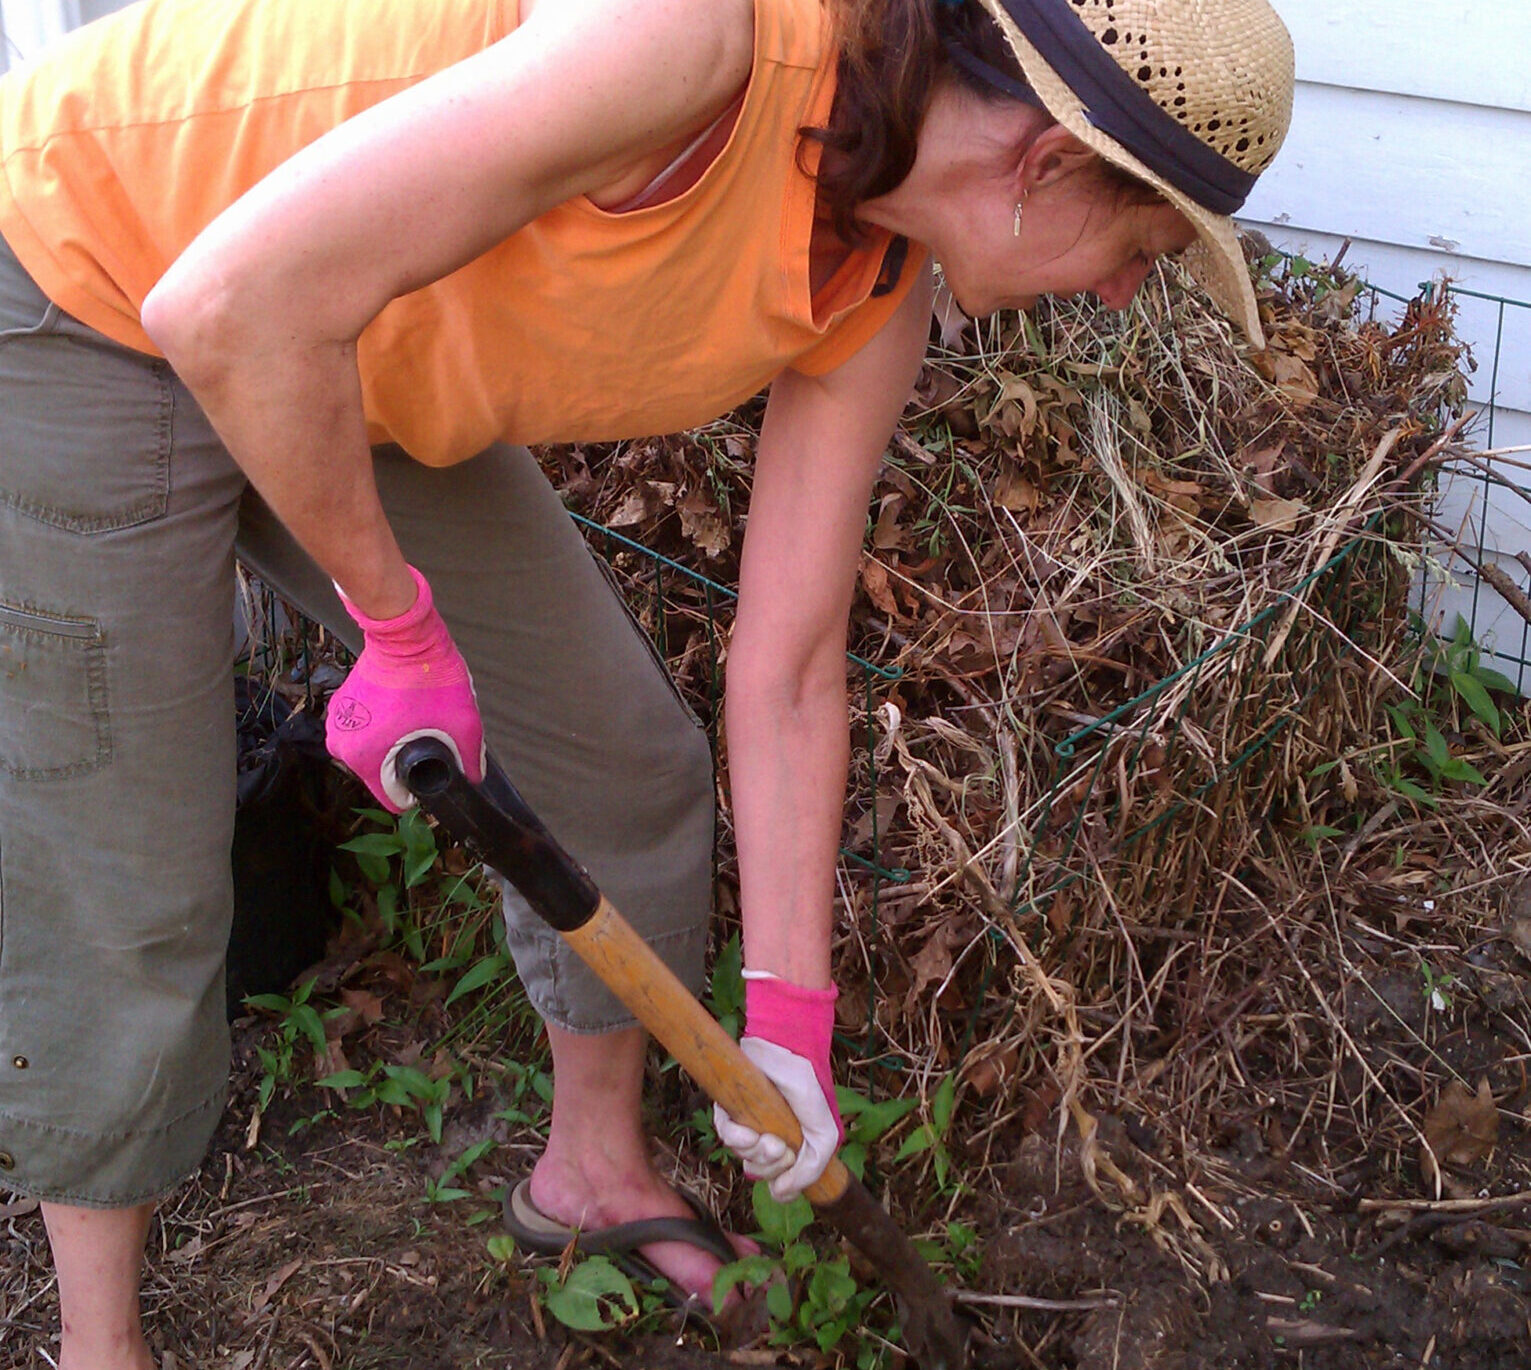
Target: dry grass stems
1149,597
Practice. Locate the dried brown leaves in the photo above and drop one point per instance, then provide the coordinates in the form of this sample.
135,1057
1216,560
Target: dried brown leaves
1460,1130
1097,554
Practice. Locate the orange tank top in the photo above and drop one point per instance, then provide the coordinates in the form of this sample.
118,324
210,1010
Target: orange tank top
583,326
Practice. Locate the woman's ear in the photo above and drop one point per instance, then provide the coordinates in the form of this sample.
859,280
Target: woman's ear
1054,155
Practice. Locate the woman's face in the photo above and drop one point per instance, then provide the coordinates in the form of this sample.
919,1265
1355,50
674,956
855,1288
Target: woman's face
1082,230
1079,234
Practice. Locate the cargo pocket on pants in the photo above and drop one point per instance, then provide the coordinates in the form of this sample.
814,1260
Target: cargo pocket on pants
53,707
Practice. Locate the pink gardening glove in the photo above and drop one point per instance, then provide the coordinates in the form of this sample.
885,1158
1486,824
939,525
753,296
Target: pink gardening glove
787,1034
410,681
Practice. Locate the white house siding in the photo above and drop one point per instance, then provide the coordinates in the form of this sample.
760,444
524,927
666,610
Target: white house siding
1412,138
28,26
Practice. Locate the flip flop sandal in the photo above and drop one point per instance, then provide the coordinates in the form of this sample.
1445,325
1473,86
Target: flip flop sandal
536,1232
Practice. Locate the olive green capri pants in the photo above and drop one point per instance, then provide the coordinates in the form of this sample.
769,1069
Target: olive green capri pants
121,516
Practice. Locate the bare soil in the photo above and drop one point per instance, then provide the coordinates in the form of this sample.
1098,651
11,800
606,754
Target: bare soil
317,1250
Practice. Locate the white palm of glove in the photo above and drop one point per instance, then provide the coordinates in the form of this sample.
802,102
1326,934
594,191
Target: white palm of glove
767,1156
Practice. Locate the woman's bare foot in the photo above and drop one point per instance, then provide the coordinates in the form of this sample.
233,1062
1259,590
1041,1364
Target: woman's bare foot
596,1170
591,1203
129,1355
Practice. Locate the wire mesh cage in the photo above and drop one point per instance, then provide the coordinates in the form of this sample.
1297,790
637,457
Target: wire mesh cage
1083,815
1477,555
1479,552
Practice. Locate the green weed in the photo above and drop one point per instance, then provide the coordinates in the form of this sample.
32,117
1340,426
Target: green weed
444,1189
297,1021
1437,986
1451,684
725,994
1314,833
931,1135
593,1297
822,1304
865,1123
961,1251
531,1095
404,1087
813,1299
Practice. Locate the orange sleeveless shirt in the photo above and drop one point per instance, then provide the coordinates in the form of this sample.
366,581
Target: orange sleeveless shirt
582,326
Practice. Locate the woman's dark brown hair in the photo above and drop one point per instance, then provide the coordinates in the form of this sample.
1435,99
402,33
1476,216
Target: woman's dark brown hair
892,53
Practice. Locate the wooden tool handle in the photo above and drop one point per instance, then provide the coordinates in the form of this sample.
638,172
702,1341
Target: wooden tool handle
631,970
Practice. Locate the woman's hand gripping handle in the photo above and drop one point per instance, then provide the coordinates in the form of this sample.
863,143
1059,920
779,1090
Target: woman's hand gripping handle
410,681
787,1035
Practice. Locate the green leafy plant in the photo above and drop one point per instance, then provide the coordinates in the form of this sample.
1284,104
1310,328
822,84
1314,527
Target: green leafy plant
931,1135
410,1087
951,494
485,971
725,996
297,1021
780,1226
407,837
444,1189
865,1123
1314,833
1458,662
832,1303
808,1297
1319,277
531,1094
303,1124
404,1087
1438,986
1433,754
1450,683
960,1249
593,1297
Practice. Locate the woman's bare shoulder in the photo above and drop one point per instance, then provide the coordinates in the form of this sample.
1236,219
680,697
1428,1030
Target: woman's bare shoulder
712,39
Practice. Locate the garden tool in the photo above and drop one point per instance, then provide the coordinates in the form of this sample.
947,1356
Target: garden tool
497,826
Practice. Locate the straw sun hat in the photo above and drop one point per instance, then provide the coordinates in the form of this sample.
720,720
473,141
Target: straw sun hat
1191,96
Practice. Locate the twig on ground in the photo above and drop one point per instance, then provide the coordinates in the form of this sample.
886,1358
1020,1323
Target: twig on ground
1108,1300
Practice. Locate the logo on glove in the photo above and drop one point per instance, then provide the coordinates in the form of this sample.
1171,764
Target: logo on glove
350,715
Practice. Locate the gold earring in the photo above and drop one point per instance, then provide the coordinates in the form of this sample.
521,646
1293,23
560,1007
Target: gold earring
1020,206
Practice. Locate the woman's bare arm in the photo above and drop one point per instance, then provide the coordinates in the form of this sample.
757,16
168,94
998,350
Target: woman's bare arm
261,313
788,741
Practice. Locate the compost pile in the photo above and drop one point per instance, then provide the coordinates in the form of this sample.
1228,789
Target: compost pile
1167,794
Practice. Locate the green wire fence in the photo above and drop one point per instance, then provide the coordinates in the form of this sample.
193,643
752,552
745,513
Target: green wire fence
1511,324
1508,323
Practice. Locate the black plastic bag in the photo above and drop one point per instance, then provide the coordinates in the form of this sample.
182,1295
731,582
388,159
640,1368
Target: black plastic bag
291,802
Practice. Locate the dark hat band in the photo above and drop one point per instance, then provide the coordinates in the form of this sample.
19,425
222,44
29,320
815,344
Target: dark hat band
1119,107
